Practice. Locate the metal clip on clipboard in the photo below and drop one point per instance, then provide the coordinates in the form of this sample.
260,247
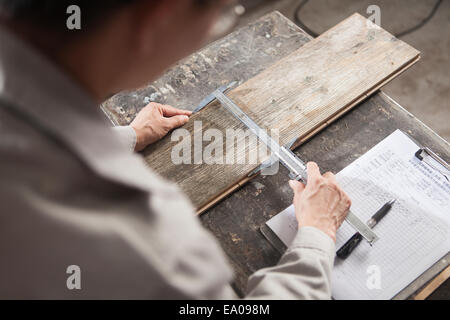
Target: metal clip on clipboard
431,159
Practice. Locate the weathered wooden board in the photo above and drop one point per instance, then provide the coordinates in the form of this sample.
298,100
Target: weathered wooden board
297,95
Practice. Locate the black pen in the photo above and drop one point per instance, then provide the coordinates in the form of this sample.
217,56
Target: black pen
353,242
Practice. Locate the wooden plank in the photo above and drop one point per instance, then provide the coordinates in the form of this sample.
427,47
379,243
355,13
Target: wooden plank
304,139
300,93
433,285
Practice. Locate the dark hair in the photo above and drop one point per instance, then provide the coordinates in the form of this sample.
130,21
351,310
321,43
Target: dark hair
52,13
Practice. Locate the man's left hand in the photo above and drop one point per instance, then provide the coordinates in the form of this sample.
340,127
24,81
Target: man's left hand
154,121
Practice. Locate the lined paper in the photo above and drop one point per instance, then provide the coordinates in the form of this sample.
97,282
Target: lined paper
414,234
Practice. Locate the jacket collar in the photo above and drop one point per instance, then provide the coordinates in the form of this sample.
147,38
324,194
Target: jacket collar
37,88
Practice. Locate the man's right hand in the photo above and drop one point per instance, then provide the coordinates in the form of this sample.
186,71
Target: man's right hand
321,203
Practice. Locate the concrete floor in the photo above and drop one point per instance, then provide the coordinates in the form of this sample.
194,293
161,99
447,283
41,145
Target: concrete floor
424,90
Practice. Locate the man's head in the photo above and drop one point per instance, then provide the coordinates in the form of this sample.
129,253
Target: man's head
122,44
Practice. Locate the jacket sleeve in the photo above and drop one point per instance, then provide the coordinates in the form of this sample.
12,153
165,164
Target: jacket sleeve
304,271
127,136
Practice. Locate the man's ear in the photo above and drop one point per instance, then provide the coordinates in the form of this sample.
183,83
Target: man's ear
149,18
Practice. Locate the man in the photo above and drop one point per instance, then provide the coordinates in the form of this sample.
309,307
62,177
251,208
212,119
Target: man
71,192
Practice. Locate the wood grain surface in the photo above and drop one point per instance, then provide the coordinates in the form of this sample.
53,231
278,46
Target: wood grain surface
294,96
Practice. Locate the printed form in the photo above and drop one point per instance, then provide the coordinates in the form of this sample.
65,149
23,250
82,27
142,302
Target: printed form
414,235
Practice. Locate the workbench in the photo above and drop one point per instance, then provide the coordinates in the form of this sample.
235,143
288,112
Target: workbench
236,220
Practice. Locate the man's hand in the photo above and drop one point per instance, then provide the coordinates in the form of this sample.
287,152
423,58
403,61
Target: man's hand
154,121
322,203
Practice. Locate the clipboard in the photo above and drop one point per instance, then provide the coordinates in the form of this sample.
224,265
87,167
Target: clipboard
434,276
431,279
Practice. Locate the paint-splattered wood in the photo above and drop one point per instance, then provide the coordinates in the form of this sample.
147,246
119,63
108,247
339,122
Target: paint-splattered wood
296,95
239,56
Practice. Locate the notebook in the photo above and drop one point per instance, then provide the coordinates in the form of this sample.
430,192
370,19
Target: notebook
414,235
